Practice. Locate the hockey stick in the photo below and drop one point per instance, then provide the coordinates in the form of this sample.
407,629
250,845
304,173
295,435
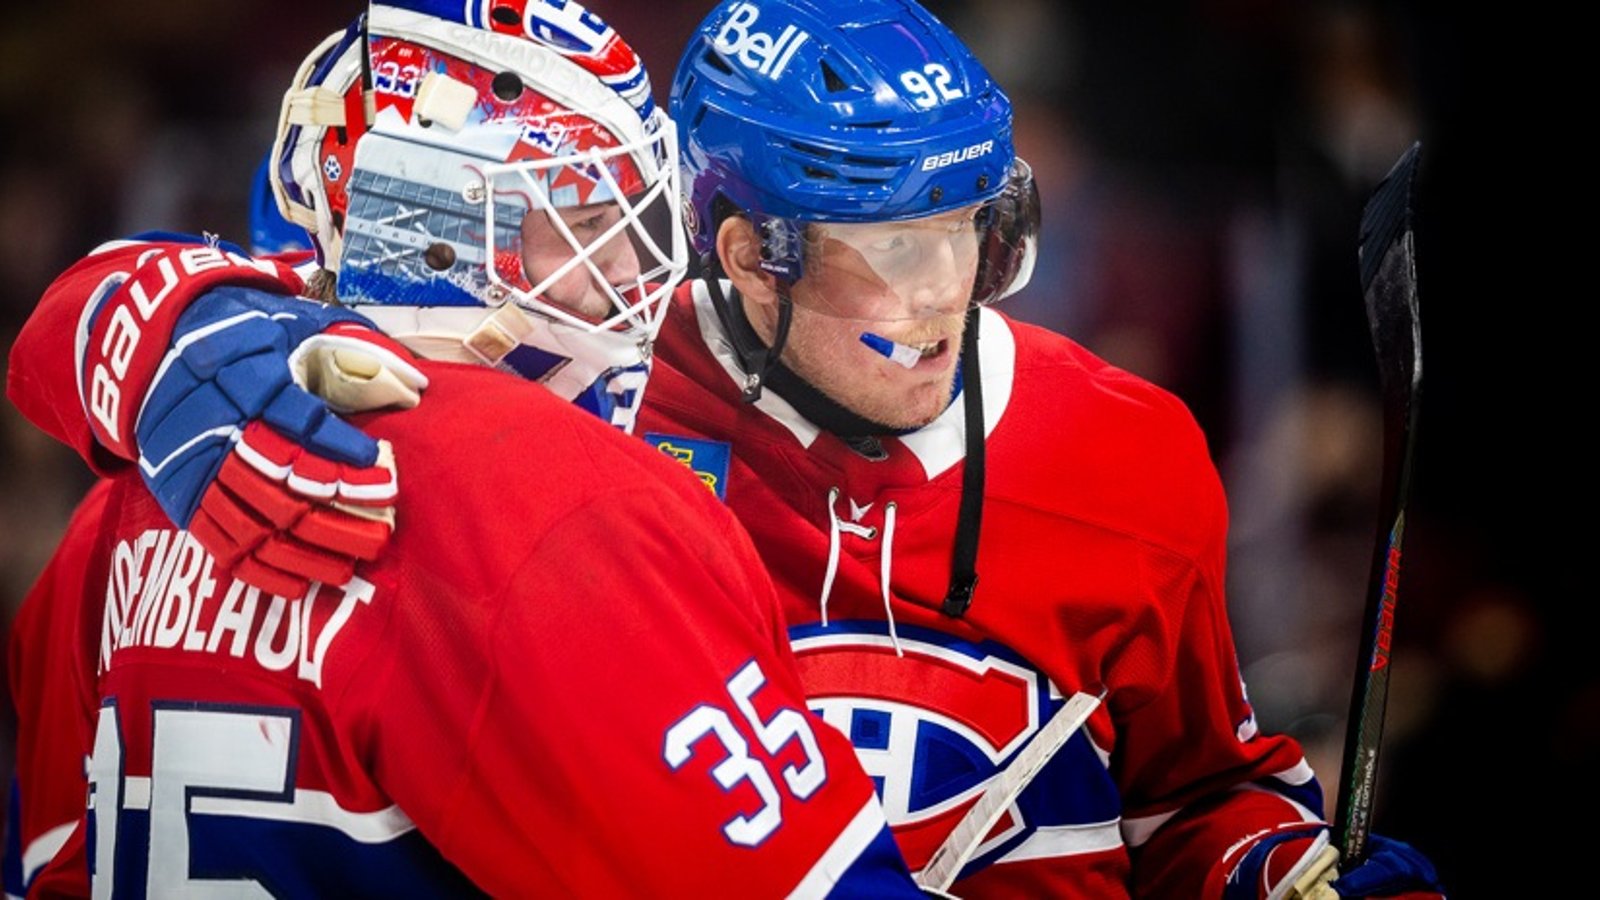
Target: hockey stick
946,862
1389,286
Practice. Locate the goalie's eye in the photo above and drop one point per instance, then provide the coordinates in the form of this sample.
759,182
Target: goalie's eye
590,224
588,221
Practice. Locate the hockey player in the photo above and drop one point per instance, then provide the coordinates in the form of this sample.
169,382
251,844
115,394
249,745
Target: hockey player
970,519
567,675
886,439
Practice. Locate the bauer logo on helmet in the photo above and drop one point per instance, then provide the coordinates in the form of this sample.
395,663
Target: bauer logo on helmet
951,157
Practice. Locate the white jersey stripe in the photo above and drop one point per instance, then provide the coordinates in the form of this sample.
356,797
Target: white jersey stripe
314,808
1050,841
1137,831
1298,774
307,808
846,849
43,849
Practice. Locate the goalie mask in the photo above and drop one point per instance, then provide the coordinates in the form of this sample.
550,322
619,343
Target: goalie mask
492,186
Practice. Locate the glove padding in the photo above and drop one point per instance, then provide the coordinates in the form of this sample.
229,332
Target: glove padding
1300,864
354,369
308,520
235,449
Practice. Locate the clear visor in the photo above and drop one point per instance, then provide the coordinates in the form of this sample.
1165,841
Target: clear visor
590,239
935,266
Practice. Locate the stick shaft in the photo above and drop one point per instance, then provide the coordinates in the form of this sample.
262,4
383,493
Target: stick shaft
1388,277
946,862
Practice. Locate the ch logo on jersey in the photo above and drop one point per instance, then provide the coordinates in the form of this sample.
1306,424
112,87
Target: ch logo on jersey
933,728
757,50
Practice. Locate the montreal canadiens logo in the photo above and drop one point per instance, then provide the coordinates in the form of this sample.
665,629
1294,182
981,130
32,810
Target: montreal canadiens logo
933,728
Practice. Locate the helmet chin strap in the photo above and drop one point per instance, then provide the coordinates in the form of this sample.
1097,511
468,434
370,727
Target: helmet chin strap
763,369
969,520
756,359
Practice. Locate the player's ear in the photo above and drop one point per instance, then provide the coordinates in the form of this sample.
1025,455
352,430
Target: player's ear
739,250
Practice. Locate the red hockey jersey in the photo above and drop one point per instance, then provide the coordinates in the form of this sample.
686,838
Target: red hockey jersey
1100,564
55,702
567,676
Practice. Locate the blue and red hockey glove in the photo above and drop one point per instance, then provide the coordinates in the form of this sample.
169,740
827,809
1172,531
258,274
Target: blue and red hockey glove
203,381
1392,869
1300,864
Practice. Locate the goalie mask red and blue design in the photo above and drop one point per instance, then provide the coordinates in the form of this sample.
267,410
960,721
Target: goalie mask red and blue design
492,183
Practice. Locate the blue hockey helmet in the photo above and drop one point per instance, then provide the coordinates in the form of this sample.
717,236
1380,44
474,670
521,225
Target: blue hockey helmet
797,112
270,232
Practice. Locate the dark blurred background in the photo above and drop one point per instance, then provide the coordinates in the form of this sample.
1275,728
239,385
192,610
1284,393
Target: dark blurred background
1203,167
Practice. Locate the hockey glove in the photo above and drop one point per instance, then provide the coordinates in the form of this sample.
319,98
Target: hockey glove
1302,865
235,449
1392,869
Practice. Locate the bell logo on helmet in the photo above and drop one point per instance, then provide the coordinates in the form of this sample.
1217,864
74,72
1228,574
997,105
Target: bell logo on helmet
951,157
757,50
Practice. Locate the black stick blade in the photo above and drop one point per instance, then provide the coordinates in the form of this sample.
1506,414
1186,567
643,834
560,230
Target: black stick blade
1389,281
